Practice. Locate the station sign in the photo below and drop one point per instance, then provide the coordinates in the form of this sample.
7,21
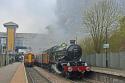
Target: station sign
105,45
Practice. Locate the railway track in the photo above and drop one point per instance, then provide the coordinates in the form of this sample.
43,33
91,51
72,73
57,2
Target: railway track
39,75
85,81
34,76
75,80
80,81
61,79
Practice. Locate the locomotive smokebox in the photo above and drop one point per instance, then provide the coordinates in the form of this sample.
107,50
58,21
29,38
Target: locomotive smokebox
72,42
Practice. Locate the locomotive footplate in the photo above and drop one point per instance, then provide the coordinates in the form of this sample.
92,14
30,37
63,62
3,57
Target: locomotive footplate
75,66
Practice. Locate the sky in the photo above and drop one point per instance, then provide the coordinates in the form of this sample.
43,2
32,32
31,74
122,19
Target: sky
32,16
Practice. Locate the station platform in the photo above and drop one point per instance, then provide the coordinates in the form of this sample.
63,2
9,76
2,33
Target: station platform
13,73
115,72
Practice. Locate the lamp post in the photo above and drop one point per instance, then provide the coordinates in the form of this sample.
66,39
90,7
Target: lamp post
106,46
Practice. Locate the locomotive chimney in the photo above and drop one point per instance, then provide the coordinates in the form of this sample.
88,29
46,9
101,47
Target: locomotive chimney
72,42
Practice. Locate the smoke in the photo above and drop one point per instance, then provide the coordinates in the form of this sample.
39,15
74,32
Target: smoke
66,24
54,21
69,21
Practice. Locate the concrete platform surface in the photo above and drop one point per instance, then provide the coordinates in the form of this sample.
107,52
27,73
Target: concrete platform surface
109,71
7,72
20,75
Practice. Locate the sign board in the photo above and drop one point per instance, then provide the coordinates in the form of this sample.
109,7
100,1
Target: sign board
105,45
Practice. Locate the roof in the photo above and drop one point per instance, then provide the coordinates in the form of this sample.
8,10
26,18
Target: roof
10,24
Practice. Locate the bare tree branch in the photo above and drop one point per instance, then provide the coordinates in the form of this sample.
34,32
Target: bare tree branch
102,16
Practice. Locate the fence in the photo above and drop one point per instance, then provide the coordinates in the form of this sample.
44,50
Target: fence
115,60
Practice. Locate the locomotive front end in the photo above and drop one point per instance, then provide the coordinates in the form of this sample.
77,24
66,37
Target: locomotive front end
73,66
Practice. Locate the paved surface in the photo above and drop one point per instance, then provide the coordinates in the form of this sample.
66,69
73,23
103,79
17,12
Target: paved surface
20,75
7,72
109,71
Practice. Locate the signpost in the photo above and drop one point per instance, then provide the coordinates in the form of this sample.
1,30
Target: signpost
106,46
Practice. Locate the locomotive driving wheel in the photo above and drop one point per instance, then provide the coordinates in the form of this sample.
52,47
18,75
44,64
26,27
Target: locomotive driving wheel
68,75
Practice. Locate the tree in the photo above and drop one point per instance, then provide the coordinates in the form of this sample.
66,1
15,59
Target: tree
87,45
117,40
100,20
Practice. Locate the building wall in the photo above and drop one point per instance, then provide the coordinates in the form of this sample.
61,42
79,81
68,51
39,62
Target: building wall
10,39
37,42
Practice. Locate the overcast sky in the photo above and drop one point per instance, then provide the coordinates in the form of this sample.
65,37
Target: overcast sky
30,15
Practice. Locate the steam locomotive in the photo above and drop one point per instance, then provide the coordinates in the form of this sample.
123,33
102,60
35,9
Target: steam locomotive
64,60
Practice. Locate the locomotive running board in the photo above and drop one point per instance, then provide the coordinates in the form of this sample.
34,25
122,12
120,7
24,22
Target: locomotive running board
54,67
